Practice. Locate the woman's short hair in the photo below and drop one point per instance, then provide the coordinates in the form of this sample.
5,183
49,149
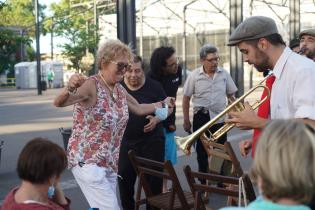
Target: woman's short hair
41,159
111,50
284,161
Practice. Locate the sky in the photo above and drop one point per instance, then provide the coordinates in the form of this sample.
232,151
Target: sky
45,41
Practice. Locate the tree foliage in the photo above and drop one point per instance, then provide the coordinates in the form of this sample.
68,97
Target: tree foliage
10,45
17,26
20,13
76,25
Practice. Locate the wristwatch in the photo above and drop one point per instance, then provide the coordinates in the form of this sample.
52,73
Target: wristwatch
71,92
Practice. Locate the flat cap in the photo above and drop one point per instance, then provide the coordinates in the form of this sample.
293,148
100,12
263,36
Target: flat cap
253,28
310,32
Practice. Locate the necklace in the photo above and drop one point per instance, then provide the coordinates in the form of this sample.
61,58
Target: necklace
111,90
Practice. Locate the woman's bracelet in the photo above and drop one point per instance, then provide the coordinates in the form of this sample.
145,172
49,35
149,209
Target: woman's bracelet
159,104
71,92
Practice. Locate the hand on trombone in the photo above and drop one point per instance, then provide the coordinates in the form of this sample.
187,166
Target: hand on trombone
246,119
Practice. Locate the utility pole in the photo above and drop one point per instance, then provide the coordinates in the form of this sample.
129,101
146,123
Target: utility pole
37,33
95,34
126,22
52,40
236,60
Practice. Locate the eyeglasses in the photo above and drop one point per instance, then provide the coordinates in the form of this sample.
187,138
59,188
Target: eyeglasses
137,71
217,59
121,66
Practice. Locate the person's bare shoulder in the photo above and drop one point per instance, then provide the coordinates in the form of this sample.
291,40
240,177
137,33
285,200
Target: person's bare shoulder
88,92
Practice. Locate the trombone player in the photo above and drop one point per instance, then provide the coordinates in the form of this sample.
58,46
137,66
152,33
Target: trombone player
292,94
208,86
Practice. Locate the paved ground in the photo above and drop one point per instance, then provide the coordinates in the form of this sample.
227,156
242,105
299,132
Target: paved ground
25,115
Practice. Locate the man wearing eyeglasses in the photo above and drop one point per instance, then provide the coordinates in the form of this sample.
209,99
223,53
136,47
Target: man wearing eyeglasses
164,68
208,86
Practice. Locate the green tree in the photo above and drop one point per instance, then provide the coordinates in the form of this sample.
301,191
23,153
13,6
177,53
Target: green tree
17,16
31,54
74,24
10,44
20,13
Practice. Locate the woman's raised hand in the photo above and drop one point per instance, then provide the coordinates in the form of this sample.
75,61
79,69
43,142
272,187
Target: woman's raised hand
76,81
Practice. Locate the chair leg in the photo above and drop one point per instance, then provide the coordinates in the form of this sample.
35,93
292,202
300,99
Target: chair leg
199,204
138,197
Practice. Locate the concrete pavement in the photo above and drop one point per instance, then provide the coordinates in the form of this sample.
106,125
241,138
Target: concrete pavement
25,115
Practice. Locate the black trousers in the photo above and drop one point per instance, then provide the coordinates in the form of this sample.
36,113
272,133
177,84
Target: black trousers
199,120
148,148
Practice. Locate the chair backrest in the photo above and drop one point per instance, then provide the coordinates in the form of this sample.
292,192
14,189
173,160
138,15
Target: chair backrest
165,170
197,188
225,152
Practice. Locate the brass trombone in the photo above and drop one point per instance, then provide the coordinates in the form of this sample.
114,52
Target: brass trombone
185,143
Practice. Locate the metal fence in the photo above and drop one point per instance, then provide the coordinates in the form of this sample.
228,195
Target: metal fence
7,83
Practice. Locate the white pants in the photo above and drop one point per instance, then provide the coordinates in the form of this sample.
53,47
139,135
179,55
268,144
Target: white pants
98,185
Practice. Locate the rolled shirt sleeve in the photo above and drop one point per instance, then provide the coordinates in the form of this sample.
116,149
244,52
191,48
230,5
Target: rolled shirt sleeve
303,96
189,86
230,85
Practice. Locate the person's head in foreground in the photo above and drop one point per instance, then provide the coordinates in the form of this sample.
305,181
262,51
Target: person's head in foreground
284,166
39,166
41,162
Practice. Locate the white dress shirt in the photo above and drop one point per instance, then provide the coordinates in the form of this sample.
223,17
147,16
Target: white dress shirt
293,92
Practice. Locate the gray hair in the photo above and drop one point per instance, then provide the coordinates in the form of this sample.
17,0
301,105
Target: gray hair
284,161
206,49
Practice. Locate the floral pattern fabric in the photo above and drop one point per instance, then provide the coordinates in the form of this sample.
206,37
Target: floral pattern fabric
97,131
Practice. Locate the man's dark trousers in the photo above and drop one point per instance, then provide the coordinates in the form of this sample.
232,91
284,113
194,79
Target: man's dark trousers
148,148
200,118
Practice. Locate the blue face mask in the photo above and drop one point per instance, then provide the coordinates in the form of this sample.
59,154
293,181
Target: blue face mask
161,113
51,191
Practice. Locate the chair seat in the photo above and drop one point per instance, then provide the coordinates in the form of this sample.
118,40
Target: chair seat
162,200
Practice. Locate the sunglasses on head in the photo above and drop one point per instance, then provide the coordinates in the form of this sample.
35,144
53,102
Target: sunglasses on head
121,66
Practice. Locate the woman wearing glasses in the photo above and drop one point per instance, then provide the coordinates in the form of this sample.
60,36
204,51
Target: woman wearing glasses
100,117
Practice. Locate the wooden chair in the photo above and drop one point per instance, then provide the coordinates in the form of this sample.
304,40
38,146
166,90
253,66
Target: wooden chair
197,188
176,198
224,152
